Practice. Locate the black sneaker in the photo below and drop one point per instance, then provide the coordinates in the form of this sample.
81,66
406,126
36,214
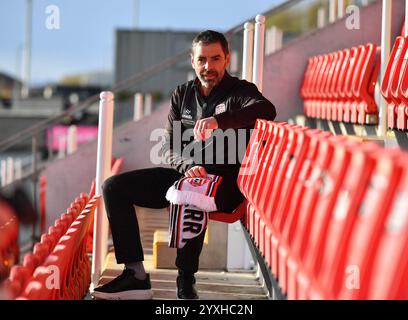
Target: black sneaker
125,287
186,288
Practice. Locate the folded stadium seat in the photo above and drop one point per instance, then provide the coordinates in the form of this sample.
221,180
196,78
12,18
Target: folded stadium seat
31,262
298,165
270,140
308,91
18,279
367,110
389,277
329,89
36,288
402,108
320,64
250,166
65,258
37,257
292,203
392,75
304,90
42,250
293,157
368,226
268,178
331,85
328,193
55,233
322,80
321,112
353,189
363,56
337,109
307,208
272,215
269,166
251,154
322,83
356,53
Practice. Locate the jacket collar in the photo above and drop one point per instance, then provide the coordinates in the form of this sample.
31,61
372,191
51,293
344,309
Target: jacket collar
225,83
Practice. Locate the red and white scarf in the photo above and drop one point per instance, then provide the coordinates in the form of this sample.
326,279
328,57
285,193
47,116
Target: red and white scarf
190,201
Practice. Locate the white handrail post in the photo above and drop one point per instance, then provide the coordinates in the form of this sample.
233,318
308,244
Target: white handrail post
72,139
103,171
340,9
321,17
10,170
3,172
385,54
332,11
148,104
247,56
259,51
138,107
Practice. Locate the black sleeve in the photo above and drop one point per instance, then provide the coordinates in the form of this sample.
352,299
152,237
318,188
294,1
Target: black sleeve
248,106
171,154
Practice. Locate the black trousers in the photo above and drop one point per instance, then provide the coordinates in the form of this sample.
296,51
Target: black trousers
147,188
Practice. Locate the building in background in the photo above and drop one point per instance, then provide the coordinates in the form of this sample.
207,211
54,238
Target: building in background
9,86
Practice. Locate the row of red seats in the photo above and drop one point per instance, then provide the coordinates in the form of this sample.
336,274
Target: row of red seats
65,249
20,275
66,272
9,249
394,86
328,214
340,86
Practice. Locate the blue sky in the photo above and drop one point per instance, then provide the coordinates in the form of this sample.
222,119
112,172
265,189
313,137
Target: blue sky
85,40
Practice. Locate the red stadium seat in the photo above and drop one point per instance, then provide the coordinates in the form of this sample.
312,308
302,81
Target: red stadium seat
307,209
367,111
391,79
341,220
389,276
328,193
292,206
368,225
356,53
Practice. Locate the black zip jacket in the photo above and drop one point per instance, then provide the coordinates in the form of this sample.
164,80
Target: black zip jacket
235,104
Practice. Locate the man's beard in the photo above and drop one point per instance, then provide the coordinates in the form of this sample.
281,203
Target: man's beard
210,83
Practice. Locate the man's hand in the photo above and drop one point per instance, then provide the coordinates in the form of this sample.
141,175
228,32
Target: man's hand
196,172
204,127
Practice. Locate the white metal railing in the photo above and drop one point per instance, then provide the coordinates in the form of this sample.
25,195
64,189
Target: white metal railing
385,53
138,107
103,171
259,51
248,52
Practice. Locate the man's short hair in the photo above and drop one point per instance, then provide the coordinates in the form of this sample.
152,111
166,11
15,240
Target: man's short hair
209,37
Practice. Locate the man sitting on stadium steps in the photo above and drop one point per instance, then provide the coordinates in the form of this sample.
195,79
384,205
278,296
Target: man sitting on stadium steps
214,100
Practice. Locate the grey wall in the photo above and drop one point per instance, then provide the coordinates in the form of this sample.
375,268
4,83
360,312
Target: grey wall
284,70
138,50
